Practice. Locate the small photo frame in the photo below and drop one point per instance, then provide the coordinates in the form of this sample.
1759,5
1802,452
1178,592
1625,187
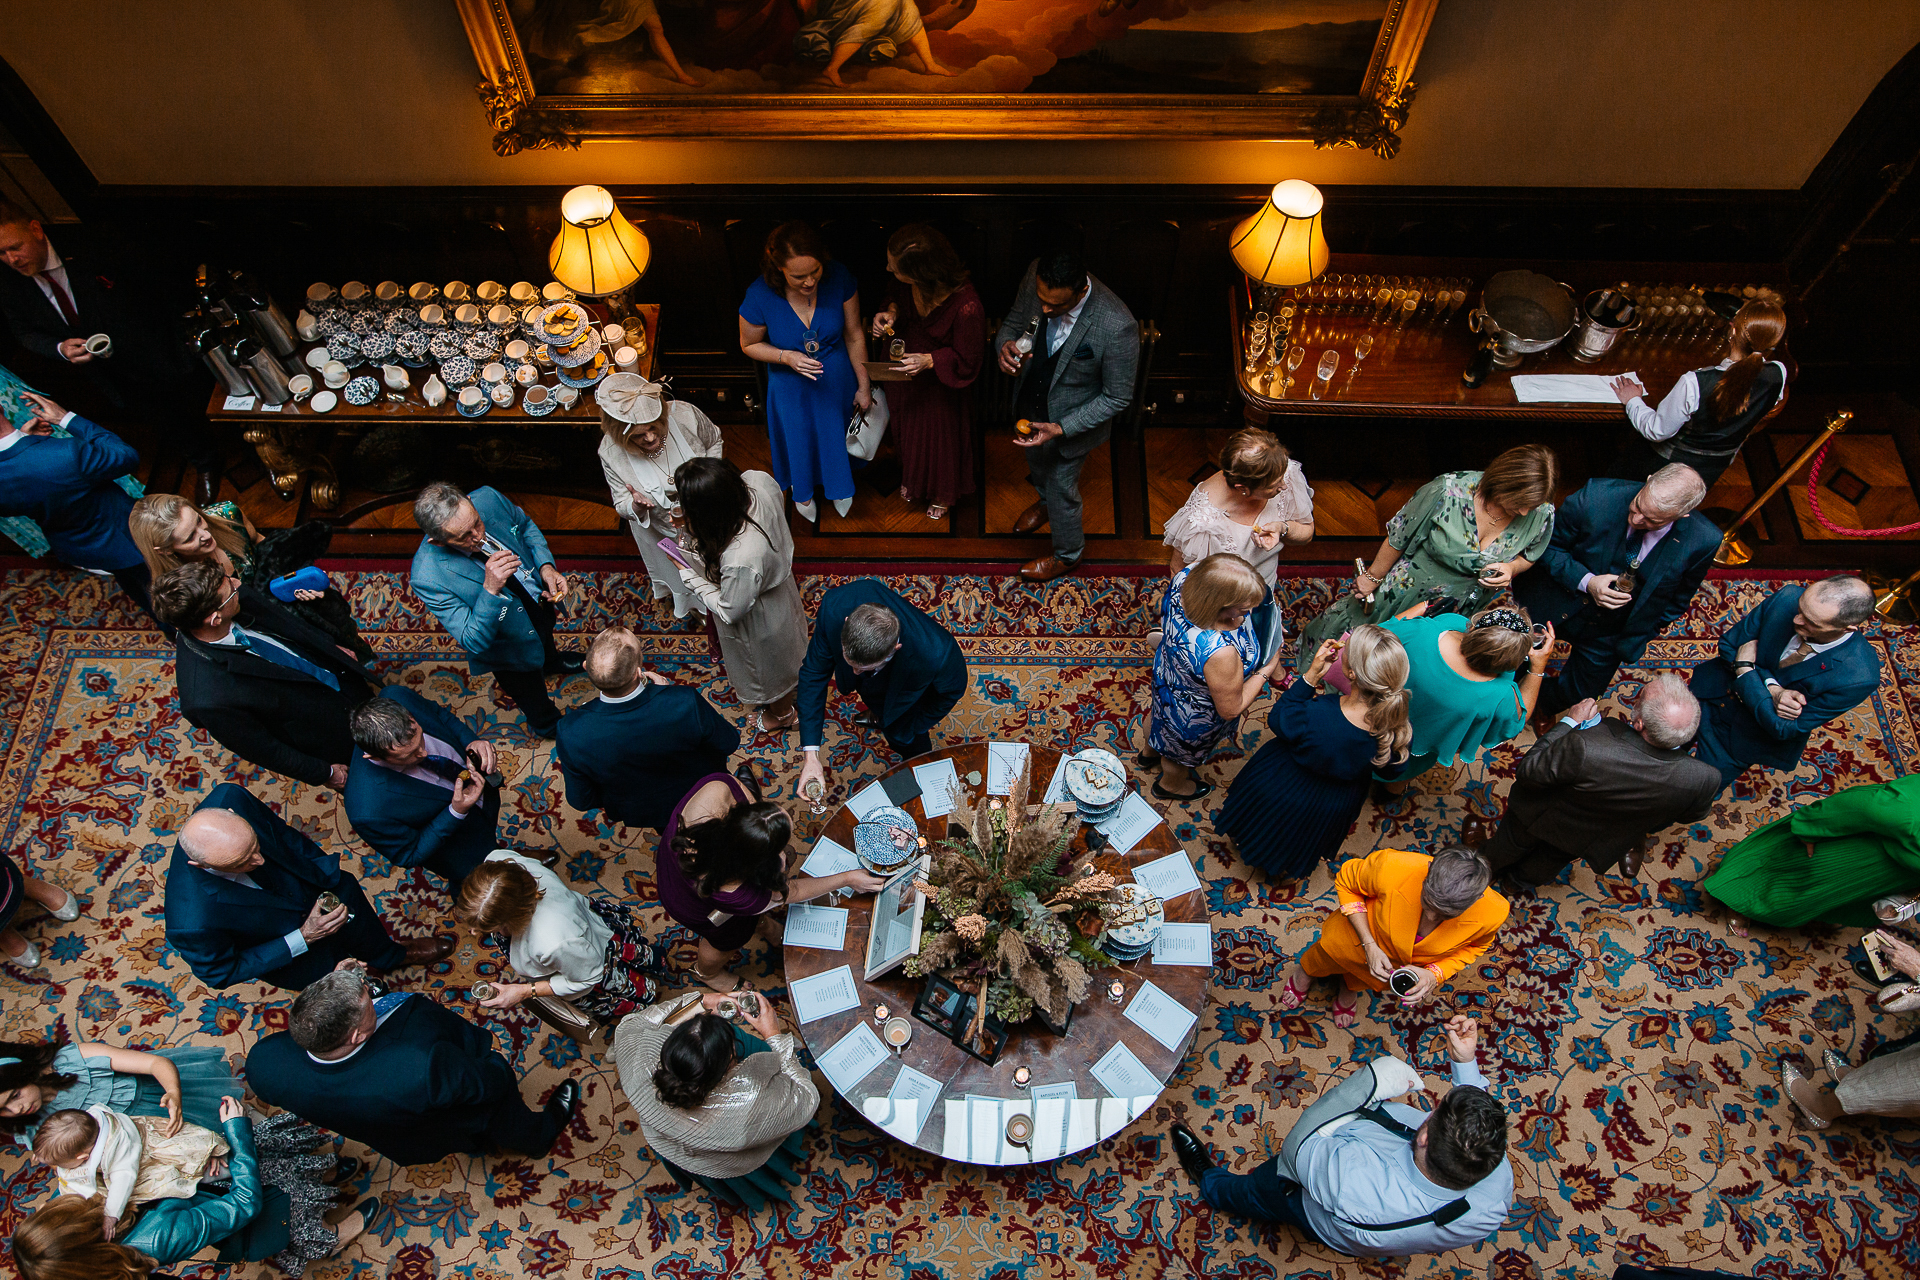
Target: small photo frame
899,912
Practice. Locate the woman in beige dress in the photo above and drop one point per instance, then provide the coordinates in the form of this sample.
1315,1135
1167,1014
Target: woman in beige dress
739,558
1885,1086
645,439
1255,505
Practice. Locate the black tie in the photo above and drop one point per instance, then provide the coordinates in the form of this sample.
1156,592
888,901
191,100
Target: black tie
448,769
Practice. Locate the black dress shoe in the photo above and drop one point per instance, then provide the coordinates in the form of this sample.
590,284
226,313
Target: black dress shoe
564,1101
345,1170
749,777
866,720
1633,859
1192,1152
1511,886
207,486
565,664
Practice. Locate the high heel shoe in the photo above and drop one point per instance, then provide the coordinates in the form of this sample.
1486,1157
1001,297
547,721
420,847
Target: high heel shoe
1893,910
1836,1064
28,959
1789,1074
809,511
70,909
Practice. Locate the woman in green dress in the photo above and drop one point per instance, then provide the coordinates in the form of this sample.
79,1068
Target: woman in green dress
170,530
1465,535
1827,861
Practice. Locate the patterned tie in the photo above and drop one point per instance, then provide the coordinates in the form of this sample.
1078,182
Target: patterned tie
61,299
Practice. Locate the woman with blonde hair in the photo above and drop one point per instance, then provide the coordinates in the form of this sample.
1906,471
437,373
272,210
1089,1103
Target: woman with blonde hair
1255,505
583,950
1295,801
1709,413
171,531
1206,669
644,438
1461,540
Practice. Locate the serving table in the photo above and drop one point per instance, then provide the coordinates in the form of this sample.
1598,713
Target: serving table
1098,1021
296,445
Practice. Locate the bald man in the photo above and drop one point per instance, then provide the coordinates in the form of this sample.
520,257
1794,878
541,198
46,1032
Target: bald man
243,902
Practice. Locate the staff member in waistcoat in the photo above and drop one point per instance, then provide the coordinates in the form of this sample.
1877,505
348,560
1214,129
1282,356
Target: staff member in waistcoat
1710,412
1076,381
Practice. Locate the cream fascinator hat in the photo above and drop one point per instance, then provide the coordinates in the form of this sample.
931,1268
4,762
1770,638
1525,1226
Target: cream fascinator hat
630,398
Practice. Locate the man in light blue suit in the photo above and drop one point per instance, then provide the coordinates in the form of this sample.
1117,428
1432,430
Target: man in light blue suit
485,571
1372,1178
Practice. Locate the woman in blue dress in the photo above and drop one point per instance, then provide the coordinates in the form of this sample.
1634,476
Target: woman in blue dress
1295,801
183,1083
1206,671
802,320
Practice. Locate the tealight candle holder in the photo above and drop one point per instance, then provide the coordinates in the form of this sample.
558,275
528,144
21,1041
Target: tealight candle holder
1116,991
1021,1076
881,1013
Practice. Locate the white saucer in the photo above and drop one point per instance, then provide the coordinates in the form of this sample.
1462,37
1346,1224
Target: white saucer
323,402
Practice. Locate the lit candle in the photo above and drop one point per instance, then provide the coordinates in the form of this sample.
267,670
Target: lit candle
1117,991
880,1012
1021,1075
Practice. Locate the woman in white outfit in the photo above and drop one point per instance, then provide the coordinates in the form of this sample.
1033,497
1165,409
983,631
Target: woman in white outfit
646,437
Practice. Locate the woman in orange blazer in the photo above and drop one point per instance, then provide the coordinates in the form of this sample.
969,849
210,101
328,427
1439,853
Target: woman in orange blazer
1401,909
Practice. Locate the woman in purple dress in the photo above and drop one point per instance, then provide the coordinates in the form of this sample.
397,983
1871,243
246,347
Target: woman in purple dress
802,320
722,865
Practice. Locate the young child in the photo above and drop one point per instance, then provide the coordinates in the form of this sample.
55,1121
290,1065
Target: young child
135,1156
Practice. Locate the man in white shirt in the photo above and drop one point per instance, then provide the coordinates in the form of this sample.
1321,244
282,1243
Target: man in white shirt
1372,1178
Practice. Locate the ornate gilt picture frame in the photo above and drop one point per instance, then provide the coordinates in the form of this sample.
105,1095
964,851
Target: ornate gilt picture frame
560,72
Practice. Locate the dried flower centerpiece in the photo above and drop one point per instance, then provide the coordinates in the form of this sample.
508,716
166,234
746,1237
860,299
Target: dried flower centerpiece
1011,922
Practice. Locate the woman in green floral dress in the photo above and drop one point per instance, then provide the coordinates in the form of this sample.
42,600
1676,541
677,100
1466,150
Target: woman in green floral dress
1465,534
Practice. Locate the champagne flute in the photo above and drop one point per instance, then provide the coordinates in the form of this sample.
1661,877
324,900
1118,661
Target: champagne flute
1362,348
1294,357
1329,362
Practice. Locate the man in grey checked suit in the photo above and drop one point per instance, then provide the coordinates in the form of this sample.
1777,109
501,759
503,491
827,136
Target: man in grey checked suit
1069,388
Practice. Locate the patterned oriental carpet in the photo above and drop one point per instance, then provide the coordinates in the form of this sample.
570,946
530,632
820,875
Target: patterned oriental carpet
1632,1037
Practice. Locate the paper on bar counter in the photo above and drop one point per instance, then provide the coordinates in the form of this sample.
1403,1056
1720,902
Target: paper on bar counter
1567,388
1004,760
811,926
1184,944
823,994
1131,824
939,785
864,801
829,858
852,1059
1161,1016
1167,878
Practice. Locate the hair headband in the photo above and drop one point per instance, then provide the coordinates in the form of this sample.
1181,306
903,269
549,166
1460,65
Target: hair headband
1506,619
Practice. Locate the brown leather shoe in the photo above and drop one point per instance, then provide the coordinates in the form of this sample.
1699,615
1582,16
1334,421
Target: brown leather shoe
1047,568
1633,859
1034,518
427,950
1476,829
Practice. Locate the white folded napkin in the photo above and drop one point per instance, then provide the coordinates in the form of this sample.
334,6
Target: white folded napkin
1581,388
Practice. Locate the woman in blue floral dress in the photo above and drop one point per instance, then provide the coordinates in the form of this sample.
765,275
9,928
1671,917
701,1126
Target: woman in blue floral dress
1206,671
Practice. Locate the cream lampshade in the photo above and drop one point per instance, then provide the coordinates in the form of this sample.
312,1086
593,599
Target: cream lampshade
1283,244
598,252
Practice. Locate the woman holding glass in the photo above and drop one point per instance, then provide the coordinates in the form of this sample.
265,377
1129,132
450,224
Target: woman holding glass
801,319
1254,506
1465,535
1206,670
644,438
941,331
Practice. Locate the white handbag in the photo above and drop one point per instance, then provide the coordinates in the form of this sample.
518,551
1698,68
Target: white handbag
865,428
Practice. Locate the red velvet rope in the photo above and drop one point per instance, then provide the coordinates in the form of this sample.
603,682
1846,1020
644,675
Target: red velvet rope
1813,500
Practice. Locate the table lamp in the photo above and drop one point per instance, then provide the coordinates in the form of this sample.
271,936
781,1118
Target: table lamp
1283,244
598,253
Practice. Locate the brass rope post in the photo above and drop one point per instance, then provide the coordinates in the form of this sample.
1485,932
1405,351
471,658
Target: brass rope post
1735,550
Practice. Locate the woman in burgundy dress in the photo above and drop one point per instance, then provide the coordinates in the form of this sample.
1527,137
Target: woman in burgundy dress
936,313
722,865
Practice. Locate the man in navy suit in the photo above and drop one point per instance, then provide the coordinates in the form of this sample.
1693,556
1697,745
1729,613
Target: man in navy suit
1605,529
485,571
269,686
907,669
401,1074
55,299
410,791
639,747
243,902
65,484
1792,664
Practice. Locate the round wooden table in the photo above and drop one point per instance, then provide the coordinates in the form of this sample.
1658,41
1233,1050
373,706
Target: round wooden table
1098,1021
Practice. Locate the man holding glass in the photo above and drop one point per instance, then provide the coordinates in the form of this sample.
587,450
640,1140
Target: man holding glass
1068,387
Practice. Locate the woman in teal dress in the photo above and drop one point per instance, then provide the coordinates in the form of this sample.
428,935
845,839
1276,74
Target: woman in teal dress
273,1208
1206,670
183,1083
1462,694
1827,861
171,530
1465,535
